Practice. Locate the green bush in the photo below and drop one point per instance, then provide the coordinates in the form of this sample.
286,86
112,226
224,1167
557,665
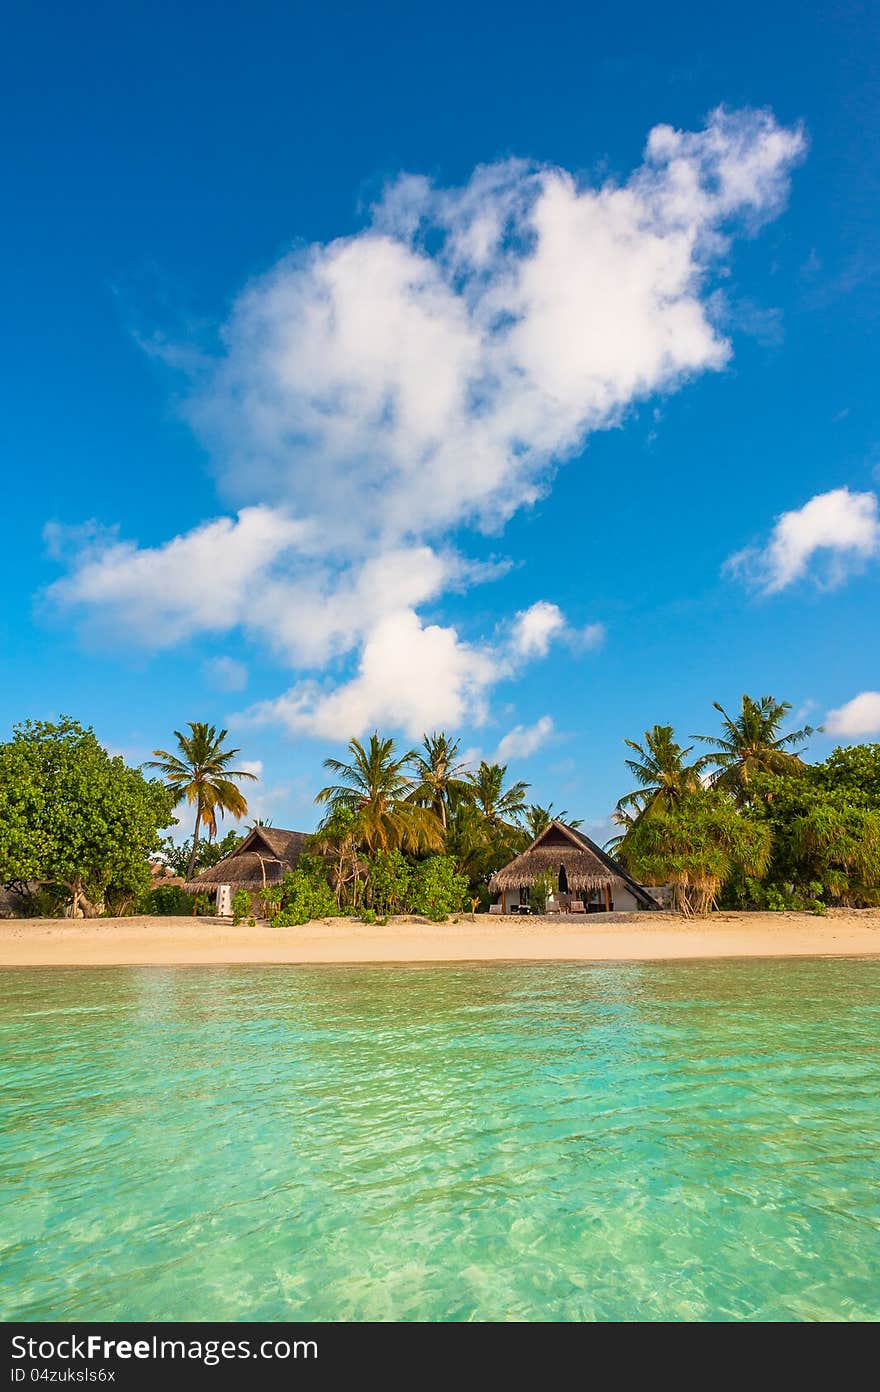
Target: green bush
271,898
167,900
305,894
390,877
543,886
241,906
438,888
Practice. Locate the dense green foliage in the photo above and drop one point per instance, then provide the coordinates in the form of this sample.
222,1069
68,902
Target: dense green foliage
752,825
166,901
241,906
72,815
376,789
747,824
697,846
439,889
390,881
304,894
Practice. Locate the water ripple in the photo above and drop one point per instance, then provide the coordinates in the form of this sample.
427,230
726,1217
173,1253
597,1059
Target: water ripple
624,1141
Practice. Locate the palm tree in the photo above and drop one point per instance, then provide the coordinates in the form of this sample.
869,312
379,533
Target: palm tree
752,742
375,787
497,804
485,829
199,772
438,775
661,772
537,819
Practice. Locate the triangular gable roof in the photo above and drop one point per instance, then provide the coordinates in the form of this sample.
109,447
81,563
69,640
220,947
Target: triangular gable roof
615,867
588,865
263,857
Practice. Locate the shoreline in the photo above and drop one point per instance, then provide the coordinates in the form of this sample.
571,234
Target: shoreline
165,942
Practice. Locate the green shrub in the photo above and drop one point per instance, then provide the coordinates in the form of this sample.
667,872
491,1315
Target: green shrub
305,894
390,877
241,906
166,900
438,888
368,916
271,898
543,886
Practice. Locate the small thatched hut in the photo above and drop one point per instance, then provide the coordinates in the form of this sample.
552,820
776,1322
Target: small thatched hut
263,858
586,876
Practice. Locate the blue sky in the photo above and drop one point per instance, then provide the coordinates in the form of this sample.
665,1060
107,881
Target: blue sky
486,439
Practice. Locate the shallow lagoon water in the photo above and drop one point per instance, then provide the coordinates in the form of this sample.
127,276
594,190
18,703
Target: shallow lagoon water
626,1141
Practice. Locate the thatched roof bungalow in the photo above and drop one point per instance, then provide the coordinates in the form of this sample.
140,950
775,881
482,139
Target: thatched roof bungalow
585,874
263,858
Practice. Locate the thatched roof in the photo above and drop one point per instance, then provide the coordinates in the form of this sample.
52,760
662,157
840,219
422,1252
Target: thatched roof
587,866
162,875
263,858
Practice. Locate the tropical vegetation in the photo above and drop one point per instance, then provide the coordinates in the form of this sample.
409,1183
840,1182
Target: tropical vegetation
77,826
747,822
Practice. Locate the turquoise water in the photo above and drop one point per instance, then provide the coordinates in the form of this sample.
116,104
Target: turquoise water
634,1141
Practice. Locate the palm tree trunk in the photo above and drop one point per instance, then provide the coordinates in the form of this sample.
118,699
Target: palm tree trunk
195,845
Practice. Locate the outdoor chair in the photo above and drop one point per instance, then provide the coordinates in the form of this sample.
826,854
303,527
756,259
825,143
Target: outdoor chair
577,906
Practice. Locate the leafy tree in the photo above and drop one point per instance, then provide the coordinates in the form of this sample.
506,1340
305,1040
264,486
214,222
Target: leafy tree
72,815
337,837
376,788
439,888
661,771
753,742
389,882
199,773
854,770
698,846
438,774
826,840
480,845
177,855
486,829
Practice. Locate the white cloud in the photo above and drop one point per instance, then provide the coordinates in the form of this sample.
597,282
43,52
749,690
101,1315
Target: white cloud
591,636
523,740
373,393
840,530
433,368
860,716
534,629
410,676
226,673
201,582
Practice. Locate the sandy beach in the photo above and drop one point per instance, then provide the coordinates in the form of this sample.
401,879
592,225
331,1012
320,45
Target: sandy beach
630,937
